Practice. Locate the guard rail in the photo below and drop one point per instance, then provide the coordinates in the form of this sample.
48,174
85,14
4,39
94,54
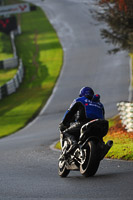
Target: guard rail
12,85
126,114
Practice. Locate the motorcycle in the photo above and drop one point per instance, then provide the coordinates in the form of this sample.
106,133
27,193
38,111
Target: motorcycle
89,152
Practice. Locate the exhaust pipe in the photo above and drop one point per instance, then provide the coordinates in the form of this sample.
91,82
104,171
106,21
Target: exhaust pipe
107,147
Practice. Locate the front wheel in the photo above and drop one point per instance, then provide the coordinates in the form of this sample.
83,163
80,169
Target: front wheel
62,170
91,161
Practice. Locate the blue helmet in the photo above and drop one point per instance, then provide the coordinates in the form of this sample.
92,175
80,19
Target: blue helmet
86,92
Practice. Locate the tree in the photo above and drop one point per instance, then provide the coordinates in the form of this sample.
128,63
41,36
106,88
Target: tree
1,2
122,4
118,16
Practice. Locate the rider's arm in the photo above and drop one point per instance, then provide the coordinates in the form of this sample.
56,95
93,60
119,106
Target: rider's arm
65,123
69,115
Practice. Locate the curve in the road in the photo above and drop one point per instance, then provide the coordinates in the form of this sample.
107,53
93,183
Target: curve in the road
28,167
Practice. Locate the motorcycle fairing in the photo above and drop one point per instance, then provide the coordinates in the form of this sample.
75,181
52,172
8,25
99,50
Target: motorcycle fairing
97,127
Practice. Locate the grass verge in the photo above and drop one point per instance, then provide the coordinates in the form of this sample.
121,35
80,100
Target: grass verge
123,141
5,47
41,52
6,75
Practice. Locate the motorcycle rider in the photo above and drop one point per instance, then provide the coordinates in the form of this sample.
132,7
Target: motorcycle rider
82,110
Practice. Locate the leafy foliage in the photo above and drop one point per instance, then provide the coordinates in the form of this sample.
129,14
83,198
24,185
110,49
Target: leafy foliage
118,16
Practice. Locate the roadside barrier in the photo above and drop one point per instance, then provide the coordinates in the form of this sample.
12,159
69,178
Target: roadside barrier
126,114
9,63
12,85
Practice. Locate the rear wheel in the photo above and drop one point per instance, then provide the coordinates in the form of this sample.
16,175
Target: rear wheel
91,161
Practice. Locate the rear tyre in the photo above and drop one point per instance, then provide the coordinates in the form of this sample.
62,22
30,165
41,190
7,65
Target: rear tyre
91,162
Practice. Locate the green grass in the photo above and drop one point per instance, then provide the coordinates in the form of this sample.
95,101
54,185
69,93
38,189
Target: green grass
58,145
7,2
6,75
122,148
112,121
5,46
42,56
123,141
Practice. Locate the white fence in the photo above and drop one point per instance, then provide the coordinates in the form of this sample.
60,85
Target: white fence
126,114
10,63
12,85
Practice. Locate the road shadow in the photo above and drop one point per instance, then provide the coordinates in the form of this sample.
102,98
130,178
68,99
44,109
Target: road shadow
75,176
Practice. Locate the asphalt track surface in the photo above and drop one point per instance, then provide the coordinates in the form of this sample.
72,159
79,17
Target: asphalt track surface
28,166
